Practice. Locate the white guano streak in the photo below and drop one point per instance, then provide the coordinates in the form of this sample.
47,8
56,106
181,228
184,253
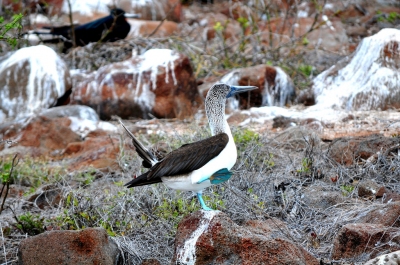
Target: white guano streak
187,253
45,78
366,72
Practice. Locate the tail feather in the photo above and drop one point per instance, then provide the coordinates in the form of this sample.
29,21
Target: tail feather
148,157
142,181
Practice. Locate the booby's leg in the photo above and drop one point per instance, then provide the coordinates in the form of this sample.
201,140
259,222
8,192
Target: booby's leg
203,205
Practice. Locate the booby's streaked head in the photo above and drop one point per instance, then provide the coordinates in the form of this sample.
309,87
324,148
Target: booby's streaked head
215,105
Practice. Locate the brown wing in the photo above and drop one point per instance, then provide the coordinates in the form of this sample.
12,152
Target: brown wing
183,160
189,157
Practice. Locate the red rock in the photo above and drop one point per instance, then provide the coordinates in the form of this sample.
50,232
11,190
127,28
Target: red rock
381,192
155,10
160,82
330,36
386,214
93,152
49,195
212,238
41,135
349,150
368,188
158,29
355,239
31,79
387,195
54,138
88,246
275,86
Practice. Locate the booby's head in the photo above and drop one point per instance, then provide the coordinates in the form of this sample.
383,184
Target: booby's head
215,105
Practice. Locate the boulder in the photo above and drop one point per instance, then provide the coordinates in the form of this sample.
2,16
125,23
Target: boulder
368,80
353,240
46,196
160,83
348,150
81,142
31,79
387,195
368,188
385,259
386,214
40,136
322,197
212,238
275,87
88,246
99,150
77,111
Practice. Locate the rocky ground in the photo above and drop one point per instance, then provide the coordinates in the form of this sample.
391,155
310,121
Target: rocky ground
312,185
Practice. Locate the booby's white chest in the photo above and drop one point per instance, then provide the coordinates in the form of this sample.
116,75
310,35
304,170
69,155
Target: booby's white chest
188,182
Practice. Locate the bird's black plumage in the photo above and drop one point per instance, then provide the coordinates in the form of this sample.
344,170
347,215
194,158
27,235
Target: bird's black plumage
110,28
183,160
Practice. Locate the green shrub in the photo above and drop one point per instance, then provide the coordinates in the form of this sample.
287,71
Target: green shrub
30,224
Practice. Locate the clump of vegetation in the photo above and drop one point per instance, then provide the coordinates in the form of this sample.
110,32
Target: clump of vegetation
30,224
6,27
347,189
392,17
36,172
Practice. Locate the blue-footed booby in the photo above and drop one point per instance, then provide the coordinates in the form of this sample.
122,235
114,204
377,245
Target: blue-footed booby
198,165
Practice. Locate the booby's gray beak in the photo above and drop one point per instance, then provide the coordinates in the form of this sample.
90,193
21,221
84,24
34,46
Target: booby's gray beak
240,89
129,15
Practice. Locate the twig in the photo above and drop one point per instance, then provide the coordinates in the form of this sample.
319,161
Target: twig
72,24
162,21
6,185
4,245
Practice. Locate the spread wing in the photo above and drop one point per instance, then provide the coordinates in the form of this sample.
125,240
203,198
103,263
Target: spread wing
183,160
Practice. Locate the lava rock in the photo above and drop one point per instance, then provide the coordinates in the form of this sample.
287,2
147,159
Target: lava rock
158,83
89,246
31,79
355,239
212,238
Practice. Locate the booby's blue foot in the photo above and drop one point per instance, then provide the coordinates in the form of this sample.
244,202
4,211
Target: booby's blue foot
203,205
218,177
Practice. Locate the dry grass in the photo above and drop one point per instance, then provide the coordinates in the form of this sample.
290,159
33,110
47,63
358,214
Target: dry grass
143,220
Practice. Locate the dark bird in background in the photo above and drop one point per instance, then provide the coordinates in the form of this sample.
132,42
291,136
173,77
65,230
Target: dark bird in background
110,28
